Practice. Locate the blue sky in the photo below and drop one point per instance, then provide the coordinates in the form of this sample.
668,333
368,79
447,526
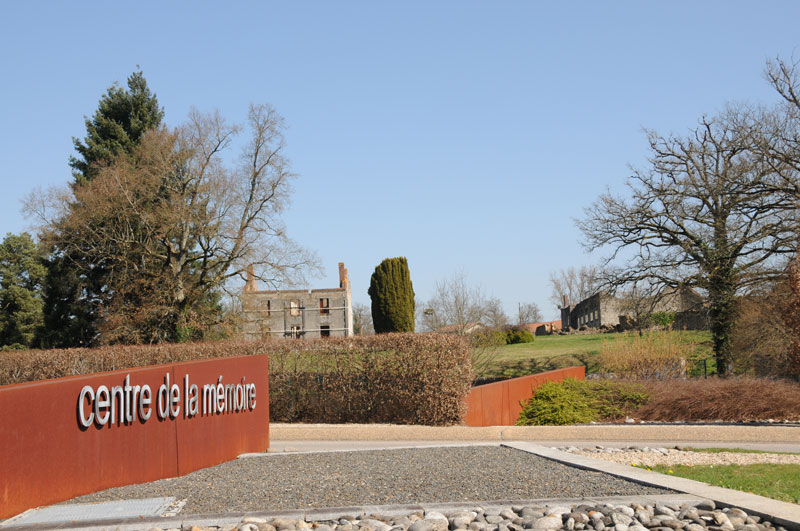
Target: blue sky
463,135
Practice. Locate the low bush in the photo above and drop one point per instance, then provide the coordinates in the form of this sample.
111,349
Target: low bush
650,355
725,399
515,335
400,378
579,402
663,319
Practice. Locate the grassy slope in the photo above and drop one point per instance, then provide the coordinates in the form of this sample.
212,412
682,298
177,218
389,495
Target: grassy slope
554,352
779,482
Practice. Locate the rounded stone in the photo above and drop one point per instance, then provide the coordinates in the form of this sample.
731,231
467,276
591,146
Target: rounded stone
547,522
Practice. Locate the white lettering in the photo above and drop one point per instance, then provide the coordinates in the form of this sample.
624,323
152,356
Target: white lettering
144,403
125,404
84,420
175,399
163,398
220,397
100,404
209,399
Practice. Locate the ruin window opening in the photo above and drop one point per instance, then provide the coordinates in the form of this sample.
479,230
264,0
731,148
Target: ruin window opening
294,308
324,306
325,331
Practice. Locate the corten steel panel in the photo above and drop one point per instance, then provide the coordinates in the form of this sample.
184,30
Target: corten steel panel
46,455
499,403
206,440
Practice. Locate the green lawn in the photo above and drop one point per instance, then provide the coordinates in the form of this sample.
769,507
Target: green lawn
735,451
779,482
554,352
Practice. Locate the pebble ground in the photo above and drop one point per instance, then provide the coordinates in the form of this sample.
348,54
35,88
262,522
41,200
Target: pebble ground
381,477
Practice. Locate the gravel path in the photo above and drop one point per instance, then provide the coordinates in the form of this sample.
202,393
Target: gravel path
671,456
382,477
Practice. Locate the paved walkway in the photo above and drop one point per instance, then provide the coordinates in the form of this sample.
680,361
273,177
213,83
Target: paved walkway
321,437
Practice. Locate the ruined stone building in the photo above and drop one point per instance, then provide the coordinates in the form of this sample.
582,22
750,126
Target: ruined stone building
298,313
602,310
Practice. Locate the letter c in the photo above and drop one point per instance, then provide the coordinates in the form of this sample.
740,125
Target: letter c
85,422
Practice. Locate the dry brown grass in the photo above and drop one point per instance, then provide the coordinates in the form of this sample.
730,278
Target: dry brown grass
726,399
652,355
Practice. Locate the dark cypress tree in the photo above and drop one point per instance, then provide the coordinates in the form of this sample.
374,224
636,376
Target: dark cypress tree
392,296
75,288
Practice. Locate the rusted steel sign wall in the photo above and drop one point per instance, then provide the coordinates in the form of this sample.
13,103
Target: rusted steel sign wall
71,436
498,404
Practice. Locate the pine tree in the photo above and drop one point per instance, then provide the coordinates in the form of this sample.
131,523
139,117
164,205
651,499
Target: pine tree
392,296
21,276
75,287
122,118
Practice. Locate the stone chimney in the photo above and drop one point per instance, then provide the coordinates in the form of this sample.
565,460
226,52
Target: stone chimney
564,301
344,280
252,283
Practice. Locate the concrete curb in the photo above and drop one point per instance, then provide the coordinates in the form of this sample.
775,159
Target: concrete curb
648,433
782,513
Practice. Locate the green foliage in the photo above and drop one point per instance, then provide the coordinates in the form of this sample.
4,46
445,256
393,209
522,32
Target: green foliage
392,296
21,277
558,404
663,319
579,402
515,335
70,307
121,119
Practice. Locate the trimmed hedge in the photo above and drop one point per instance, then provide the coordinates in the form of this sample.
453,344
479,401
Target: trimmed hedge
393,378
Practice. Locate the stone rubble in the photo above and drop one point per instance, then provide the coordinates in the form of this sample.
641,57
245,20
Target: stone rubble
704,516
646,456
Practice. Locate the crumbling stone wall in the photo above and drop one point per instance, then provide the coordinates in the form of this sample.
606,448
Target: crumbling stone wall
298,313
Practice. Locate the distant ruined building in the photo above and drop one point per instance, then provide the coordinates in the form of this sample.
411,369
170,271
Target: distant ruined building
602,310
297,313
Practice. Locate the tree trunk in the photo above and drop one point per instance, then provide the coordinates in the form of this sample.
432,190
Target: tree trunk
791,316
722,314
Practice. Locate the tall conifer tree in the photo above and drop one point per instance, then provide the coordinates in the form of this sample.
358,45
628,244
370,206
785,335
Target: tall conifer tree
392,296
75,288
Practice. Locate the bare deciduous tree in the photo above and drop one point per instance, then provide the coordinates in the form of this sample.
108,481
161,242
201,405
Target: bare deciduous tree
710,212
174,224
528,313
362,320
460,307
573,284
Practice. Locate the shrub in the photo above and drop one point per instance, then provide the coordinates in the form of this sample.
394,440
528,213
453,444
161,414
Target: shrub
515,334
727,399
401,378
392,296
663,319
579,402
398,378
650,355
